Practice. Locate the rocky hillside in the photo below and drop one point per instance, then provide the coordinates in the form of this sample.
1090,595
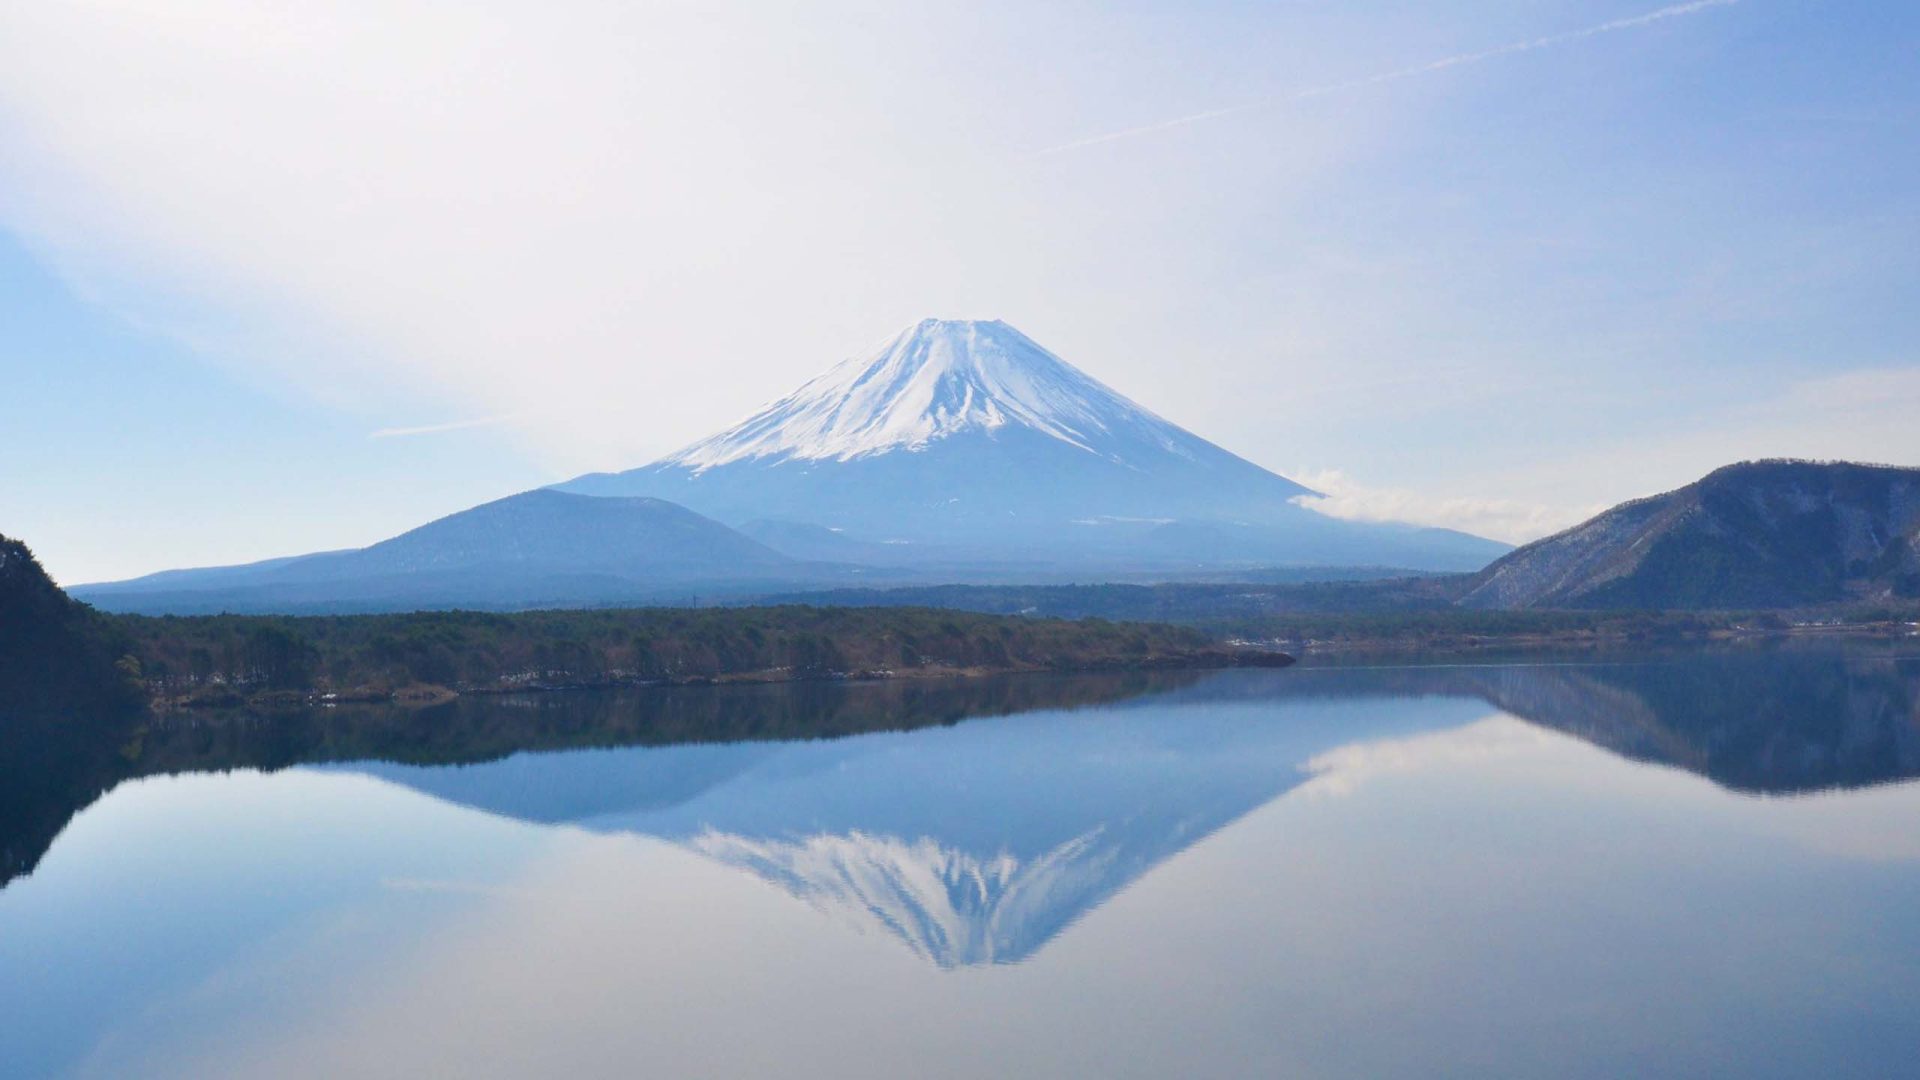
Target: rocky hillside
1759,534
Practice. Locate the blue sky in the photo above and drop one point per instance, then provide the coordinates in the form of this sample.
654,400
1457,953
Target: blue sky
252,255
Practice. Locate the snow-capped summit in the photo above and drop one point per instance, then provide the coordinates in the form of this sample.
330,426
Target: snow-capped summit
933,380
967,450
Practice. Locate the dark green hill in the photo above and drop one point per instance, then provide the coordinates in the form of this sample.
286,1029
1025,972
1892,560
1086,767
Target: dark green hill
68,704
56,655
1765,534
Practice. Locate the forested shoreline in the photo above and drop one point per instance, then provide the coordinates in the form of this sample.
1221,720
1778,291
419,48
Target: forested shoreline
1398,613
231,659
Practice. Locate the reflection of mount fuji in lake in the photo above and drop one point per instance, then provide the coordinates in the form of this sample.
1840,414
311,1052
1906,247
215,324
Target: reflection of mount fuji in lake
971,844
979,843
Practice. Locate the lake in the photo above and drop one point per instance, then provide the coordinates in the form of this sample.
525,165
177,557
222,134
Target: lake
1681,864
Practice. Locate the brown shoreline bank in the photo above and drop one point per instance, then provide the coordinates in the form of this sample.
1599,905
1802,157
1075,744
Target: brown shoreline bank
1427,641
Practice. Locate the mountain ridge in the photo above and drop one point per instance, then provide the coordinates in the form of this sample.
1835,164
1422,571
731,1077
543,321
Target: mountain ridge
1768,533
539,546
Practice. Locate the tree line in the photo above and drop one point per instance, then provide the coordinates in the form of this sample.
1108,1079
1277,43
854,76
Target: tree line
481,650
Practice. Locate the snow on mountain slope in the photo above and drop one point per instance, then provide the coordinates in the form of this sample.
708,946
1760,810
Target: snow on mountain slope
951,907
934,380
979,455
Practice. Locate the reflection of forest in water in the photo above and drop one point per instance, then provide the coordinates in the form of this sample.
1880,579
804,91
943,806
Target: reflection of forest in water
52,765
1773,720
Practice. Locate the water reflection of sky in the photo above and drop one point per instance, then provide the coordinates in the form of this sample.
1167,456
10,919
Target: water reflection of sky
1380,885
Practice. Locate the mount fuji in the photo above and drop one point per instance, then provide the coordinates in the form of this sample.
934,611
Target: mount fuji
961,452
966,447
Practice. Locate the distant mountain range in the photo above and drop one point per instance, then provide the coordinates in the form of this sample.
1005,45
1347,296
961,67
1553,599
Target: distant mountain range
960,451
537,549
964,453
1762,534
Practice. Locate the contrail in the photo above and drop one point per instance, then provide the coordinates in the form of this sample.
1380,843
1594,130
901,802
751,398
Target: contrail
435,429
1403,73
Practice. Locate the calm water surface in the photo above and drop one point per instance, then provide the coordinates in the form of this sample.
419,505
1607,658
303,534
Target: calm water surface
1700,864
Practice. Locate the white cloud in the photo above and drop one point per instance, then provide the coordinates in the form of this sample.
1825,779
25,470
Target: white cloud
1510,520
1868,415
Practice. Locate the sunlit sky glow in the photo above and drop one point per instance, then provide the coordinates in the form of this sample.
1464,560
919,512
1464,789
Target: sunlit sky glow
289,277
